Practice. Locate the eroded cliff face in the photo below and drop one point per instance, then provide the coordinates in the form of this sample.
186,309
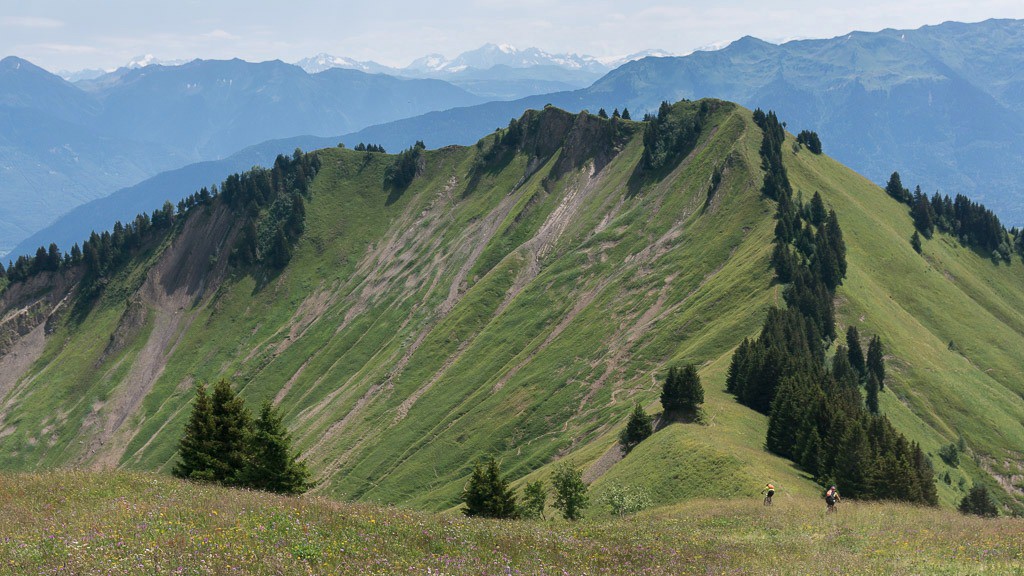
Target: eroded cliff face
153,315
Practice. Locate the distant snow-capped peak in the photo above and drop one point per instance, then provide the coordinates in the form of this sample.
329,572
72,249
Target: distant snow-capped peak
483,58
150,60
491,55
324,61
616,61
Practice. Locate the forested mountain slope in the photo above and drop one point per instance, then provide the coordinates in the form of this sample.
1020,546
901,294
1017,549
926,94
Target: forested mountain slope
411,313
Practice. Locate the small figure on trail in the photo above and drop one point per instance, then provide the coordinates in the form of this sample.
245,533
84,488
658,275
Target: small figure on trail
831,497
769,491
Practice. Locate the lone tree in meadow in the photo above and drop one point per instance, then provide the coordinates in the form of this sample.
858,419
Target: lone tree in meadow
213,448
978,502
223,444
487,494
570,492
637,429
682,392
270,464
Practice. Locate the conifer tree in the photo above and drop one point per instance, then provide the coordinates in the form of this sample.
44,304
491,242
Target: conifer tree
231,421
842,371
682,392
270,464
895,188
810,459
670,391
978,502
817,210
854,351
925,475
876,361
915,242
922,213
625,114
196,448
637,429
570,492
872,398
487,494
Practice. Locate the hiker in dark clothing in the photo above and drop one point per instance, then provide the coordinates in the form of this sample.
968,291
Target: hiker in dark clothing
831,497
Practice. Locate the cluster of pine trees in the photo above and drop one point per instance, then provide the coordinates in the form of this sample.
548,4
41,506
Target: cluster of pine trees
400,173
222,443
681,397
102,253
601,113
972,223
817,415
271,200
809,139
669,136
776,180
369,148
488,495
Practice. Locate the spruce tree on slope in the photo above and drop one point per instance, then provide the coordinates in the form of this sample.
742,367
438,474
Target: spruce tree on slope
854,351
196,448
876,361
231,422
487,494
682,392
872,398
978,502
637,429
270,464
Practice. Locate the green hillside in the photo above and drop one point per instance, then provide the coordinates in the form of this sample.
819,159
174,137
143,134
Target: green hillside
514,299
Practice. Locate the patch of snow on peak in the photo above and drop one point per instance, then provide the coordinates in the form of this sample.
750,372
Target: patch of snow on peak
150,60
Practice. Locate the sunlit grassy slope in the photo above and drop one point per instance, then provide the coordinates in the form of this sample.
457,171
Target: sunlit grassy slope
518,307
129,523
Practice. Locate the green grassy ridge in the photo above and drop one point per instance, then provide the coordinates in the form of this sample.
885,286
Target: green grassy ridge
134,523
547,353
918,304
539,364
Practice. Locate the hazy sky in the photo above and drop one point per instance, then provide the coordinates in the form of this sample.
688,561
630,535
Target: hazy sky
77,34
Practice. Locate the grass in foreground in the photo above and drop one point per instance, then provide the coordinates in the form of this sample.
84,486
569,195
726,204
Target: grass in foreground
117,523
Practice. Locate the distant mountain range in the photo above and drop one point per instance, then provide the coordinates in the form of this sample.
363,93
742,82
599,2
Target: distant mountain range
494,71
64,144
943,105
